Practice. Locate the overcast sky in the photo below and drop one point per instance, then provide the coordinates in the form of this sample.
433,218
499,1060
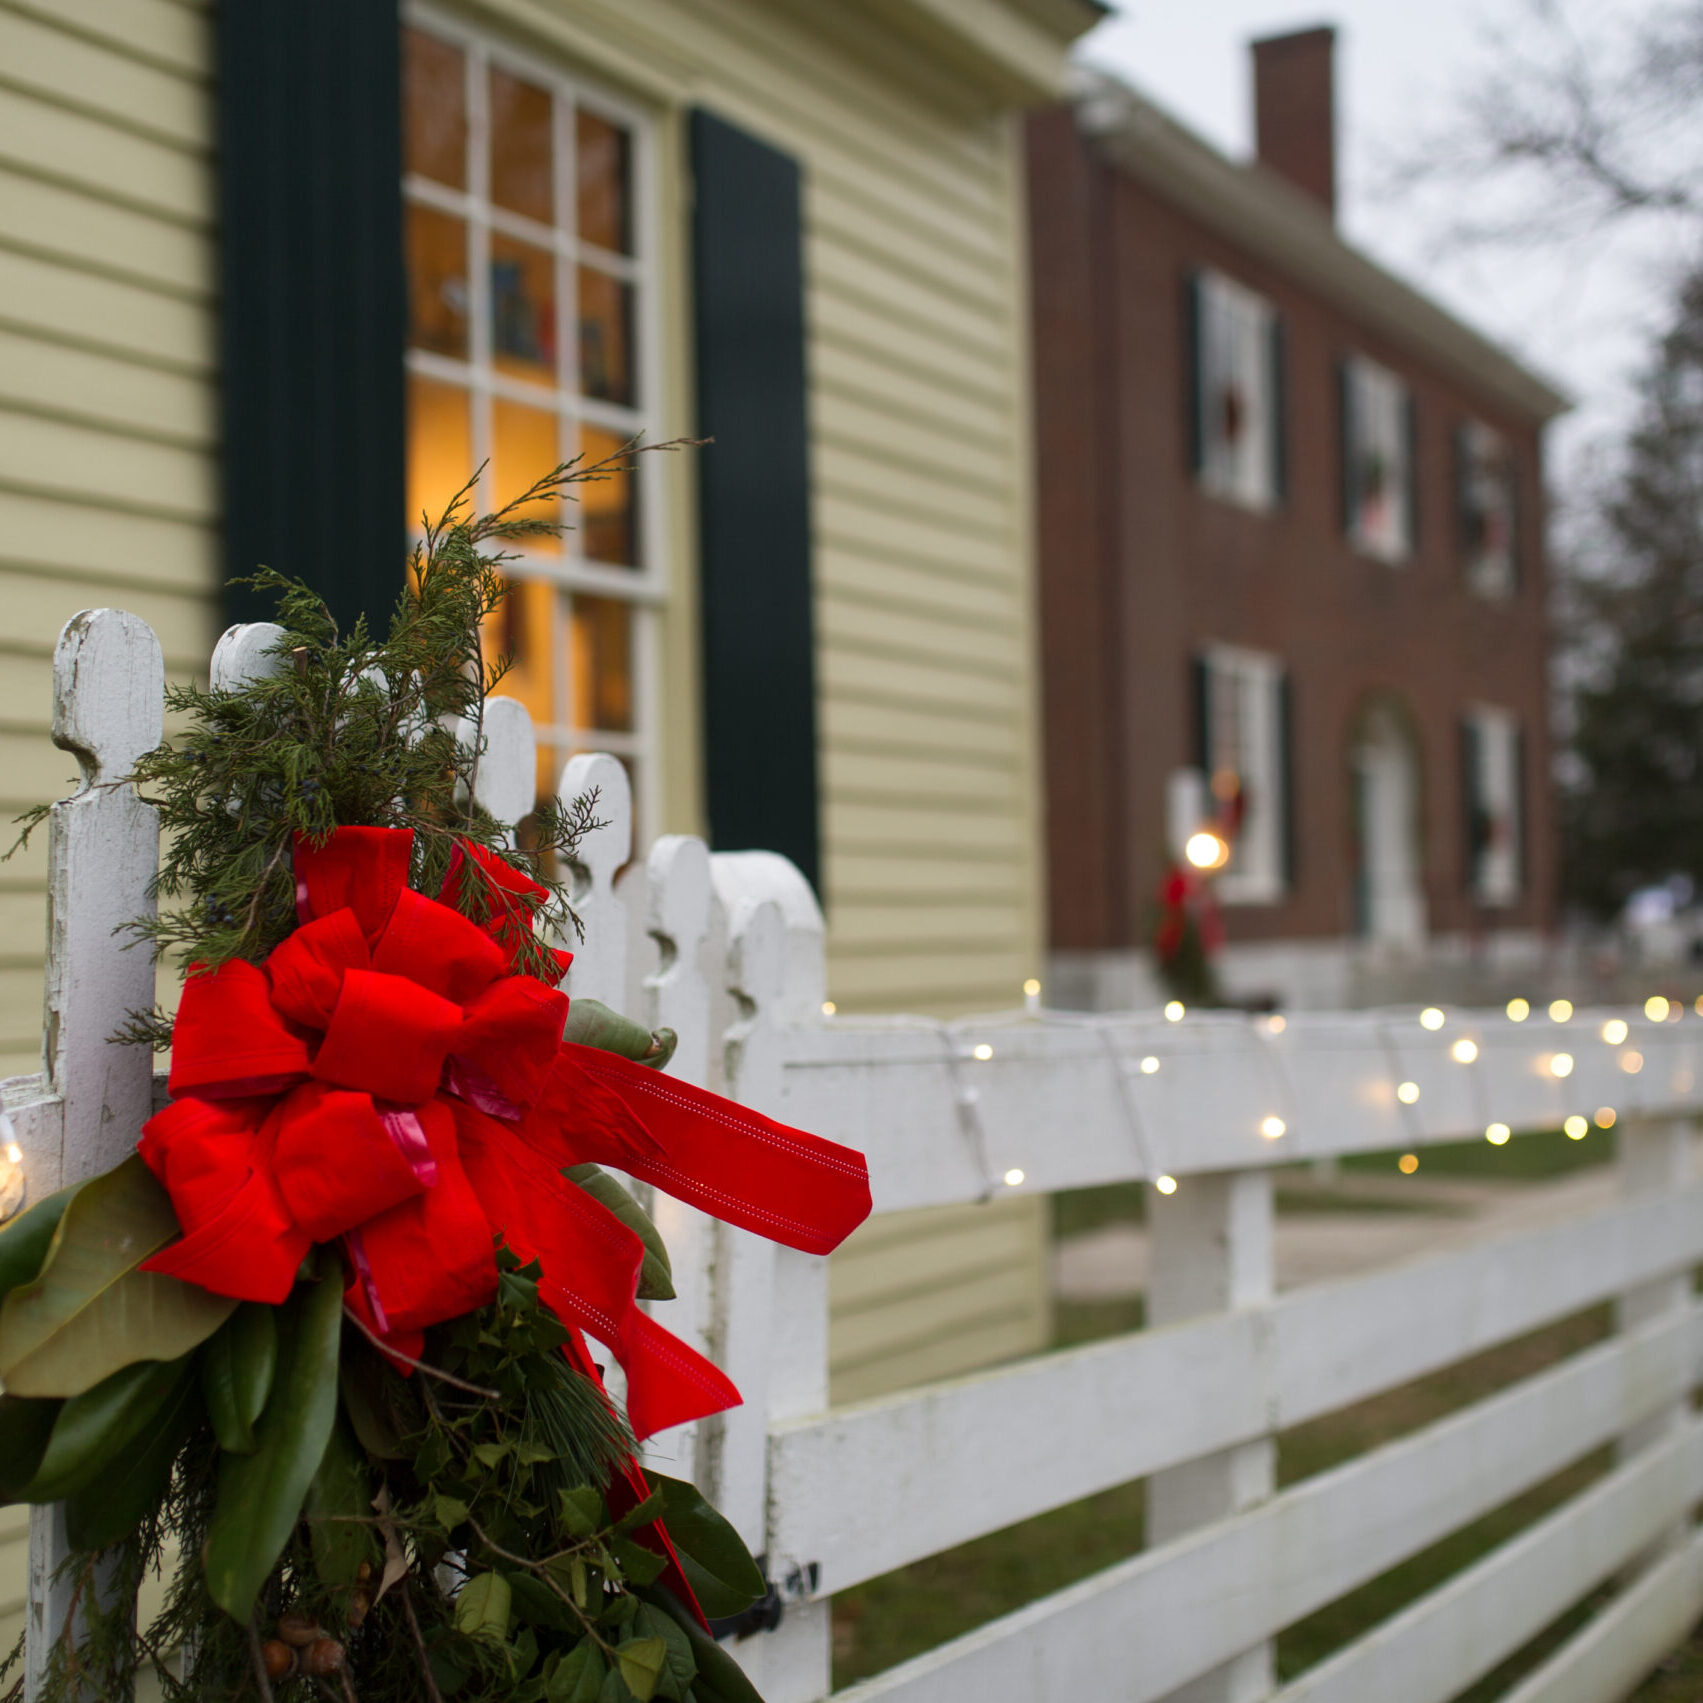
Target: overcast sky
1579,313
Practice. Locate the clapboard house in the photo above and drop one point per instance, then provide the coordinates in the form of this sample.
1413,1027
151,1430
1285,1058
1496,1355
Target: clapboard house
1291,542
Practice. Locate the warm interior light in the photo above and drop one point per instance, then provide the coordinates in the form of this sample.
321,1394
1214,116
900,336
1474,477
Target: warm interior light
983,1051
1605,1117
1560,1010
1496,1134
1165,1185
1464,1051
1561,1064
1206,850
1697,1005
1656,1008
1013,1177
1614,1031
1431,1018
14,1153
1631,1061
1407,1164
1577,1128
1149,1065
1031,989
829,1008
1174,1011
1519,1009
1407,1092
1272,1128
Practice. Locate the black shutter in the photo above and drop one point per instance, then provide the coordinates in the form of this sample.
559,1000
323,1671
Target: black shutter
1517,813
1473,821
754,496
1194,373
1276,356
312,306
1287,842
1465,523
1410,443
1200,713
1516,515
1347,447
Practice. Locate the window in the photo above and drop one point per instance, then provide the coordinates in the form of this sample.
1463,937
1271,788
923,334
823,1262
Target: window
1377,444
1484,472
1491,770
528,299
1237,392
1243,740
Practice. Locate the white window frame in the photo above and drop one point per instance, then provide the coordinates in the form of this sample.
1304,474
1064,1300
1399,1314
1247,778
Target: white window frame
1494,787
1244,693
1486,473
1235,330
645,585
1377,425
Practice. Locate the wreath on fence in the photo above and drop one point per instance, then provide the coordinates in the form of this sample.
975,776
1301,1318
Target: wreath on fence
327,1333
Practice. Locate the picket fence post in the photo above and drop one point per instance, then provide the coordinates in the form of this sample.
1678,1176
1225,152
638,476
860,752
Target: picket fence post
1210,1251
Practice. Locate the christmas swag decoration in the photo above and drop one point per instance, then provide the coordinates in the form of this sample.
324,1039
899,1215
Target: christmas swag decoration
329,1331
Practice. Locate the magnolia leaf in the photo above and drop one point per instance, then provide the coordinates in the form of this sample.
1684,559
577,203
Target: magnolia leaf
110,1507
656,1276
101,1425
25,1426
641,1662
483,1606
90,1311
592,1024
579,1675
336,1508
680,1667
260,1495
535,1602
720,1679
717,1565
237,1365
24,1242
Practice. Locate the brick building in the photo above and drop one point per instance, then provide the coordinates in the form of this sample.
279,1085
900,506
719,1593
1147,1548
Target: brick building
1290,521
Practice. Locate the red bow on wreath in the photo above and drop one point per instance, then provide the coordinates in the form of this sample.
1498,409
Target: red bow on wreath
387,1078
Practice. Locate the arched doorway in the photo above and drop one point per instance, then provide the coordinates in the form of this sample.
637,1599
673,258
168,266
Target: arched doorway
1389,869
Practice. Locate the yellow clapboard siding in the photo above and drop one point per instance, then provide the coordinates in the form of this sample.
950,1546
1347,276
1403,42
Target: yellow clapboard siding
20,1009
105,159
156,32
33,769
845,271
853,474
92,233
92,312
942,782
853,570
848,372
26,690
899,682
984,918
977,374
22,923
104,548
106,391
69,459
853,616
946,550
859,725
37,608
109,82
857,877
864,424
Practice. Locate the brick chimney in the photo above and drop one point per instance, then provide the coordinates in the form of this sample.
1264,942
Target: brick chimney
1295,110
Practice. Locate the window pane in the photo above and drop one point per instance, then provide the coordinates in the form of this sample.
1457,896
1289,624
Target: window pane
605,336
602,665
608,518
521,176
523,309
437,282
434,109
440,446
525,625
524,448
605,182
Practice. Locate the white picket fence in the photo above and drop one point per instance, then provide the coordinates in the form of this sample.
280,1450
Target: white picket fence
727,949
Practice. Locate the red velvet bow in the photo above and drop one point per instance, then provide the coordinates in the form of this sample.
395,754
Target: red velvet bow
389,1079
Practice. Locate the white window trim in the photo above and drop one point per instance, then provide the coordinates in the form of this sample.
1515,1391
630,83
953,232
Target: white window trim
1263,827
1496,880
1365,374
1245,474
1494,585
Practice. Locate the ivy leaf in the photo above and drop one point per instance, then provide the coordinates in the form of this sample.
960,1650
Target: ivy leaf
90,1311
490,1454
579,1676
639,1566
537,1604
449,1511
720,1678
680,1667
483,1607
641,1662
582,1510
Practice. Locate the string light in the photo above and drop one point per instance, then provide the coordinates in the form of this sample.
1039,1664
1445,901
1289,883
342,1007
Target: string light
1497,1134
14,1188
1614,1031
1273,1127
1656,1008
1577,1128
1561,1064
1149,1065
1431,1018
1631,1061
1407,1092
1014,1177
1032,988
982,1051
829,1008
1165,1185
1605,1117
1276,1023
1560,1010
1206,850
1519,1009
1407,1164
1464,1051
1697,1005
1174,1011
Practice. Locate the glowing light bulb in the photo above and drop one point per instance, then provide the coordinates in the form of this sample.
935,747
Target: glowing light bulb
1605,1117
1656,1008
14,1153
1519,1009
1464,1051
1431,1018
1174,1011
1149,1065
1497,1134
1614,1031
1031,989
1273,1127
1407,1093
1014,1177
1206,850
1631,1061
1560,1010
1697,1005
1407,1164
1561,1064
1577,1128
1275,1025
1165,1185
982,1051
829,1008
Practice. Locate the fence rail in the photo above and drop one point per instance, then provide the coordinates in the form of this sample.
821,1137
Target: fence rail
727,948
